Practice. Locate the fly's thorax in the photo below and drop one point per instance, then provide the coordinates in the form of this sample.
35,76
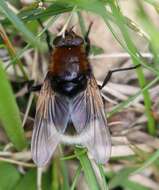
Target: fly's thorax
70,68
66,60
69,87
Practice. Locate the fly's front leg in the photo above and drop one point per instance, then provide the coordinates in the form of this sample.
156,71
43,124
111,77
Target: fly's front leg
36,88
108,76
31,87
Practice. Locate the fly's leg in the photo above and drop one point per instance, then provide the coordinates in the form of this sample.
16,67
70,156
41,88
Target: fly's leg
48,38
35,88
87,40
31,87
108,76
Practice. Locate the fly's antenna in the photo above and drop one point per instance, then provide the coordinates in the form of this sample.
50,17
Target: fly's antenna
48,38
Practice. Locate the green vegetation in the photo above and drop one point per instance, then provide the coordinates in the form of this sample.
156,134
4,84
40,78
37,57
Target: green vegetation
24,41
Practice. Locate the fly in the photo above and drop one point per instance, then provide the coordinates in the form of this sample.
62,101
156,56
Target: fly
70,94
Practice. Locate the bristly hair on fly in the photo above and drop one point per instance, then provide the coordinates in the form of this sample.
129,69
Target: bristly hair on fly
70,99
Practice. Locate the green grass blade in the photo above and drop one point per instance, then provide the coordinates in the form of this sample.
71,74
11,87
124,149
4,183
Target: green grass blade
64,172
125,103
9,113
35,13
105,186
88,170
77,174
141,78
21,52
120,177
151,30
55,174
12,51
19,25
28,181
95,6
147,163
128,184
9,176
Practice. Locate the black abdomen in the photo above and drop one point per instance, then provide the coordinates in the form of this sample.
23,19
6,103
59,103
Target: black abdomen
69,87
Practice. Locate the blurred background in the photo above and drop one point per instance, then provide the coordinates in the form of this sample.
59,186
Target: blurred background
124,33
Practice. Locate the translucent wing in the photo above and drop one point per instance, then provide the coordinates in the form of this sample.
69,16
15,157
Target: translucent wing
51,119
88,116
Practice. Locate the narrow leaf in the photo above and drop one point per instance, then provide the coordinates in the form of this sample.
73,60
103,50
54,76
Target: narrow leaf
9,113
147,163
88,170
28,181
9,176
19,25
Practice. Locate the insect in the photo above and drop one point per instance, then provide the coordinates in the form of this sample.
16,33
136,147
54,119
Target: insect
70,94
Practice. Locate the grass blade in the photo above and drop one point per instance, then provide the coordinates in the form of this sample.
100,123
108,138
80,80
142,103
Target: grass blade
147,163
77,174
9,113
125,103
9,176
103,177
64,171
88,170
55,174
19,25
29,180
35,13
12,51
141,78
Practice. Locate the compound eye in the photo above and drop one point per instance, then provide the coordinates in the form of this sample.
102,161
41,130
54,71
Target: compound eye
57,41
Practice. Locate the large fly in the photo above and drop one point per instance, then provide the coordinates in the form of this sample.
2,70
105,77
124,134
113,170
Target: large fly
70,94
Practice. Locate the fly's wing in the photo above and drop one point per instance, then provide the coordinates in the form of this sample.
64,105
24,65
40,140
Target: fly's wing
88,116
51,119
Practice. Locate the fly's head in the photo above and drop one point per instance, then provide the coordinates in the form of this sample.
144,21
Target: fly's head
68,40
